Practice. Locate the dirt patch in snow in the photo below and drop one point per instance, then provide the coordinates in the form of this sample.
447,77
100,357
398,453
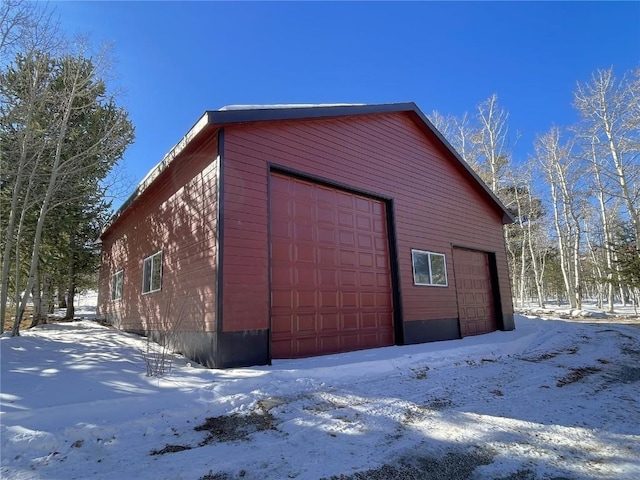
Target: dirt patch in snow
453,466
227,428
577,374
550,355
171,449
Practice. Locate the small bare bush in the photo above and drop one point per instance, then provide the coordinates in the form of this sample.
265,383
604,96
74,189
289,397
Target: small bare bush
158,352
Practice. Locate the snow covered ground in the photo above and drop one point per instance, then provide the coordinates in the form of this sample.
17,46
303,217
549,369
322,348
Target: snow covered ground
552,399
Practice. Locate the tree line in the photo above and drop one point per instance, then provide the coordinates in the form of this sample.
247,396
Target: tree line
61,135
576,200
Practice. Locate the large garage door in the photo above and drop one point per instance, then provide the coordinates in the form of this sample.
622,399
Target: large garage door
330,272
473,288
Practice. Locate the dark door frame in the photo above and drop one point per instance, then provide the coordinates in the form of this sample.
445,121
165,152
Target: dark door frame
495,284
396,296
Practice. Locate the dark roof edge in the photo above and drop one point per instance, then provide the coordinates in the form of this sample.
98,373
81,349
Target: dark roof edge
220,118
267,114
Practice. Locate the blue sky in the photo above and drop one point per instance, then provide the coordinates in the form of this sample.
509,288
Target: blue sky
174,60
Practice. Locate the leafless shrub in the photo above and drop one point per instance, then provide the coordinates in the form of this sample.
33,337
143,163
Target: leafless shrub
159,346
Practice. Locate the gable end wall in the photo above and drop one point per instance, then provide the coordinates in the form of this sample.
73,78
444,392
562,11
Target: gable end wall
435,205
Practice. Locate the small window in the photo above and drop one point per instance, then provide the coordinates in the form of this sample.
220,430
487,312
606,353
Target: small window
117,282
429,268
152,273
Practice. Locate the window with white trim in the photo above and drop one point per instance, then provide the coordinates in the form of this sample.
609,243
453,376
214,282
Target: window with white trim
152,273
117,282
429,268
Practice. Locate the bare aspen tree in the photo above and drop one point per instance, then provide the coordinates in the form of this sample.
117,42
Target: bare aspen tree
443,124
519,201
491,139
525,233
460,133
537,253
22,162
17,19
610,115
562,173
594,238
482,141
77,86
26,30
605,208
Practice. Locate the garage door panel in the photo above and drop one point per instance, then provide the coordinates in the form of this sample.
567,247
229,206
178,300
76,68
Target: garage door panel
328,299
282,251
350,321
345,218
306,299
383,300
281,297
382,281
347,239
370,320
350,342
348,299
305,276
368,300
327,256
306,323
381,245
281,276
330,249
365,241
474,292
330,344
304,253
280,347
363,204
366,260
325,214
344,199
326,235
303,232
367,279
329,323
326,195
303,209
281,228
364,223
282,324
282,203
347,278
302,191
328,278
348,257
306,346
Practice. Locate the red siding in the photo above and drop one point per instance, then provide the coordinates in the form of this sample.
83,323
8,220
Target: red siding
178,215
435,204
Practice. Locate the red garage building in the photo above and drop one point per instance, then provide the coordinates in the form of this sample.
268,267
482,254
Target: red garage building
287,232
